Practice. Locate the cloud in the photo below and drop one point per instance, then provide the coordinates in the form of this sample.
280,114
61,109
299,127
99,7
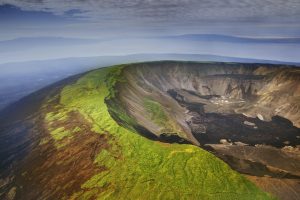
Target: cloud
167,11
130,18
137,19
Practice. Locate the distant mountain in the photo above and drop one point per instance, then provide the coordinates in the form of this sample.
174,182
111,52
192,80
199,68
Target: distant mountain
21,44
201,58
32,42
43,48
84,63
232,39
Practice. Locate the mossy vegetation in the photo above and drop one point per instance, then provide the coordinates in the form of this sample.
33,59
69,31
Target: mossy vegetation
159,117
156,112
52,116
60,133
113,76
59,125
76,129
139,168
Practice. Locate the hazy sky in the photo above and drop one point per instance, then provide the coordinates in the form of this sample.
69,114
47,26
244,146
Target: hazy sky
135,19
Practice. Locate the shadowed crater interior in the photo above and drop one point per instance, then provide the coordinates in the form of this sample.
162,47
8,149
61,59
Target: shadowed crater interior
228,109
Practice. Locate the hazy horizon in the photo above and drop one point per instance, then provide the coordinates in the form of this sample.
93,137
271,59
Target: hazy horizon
41,30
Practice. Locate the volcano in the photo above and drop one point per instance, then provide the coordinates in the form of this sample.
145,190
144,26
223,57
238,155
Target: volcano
157,130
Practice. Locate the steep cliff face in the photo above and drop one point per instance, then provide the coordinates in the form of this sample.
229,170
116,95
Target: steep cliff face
279,96
206,102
